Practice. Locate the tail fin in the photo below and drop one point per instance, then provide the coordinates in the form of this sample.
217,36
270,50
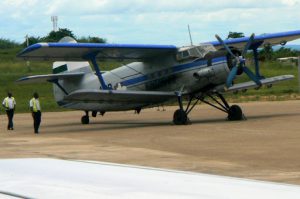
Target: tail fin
69,84
60,67
64,67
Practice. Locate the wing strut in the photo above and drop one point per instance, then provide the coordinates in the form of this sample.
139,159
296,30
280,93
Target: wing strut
92,58
255,55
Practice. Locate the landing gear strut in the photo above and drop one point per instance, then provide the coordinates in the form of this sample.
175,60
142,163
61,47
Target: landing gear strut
180,116
234,112
85,119
94,113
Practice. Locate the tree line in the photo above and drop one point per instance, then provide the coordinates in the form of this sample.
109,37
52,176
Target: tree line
53,36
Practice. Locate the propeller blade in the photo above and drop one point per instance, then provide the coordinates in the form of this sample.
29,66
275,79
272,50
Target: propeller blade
225,46
251,75
231,76
250,41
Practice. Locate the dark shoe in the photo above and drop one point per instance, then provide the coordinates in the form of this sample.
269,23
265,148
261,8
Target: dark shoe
11,128
36,132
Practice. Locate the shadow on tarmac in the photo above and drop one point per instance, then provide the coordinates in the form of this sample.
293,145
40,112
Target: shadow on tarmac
132,124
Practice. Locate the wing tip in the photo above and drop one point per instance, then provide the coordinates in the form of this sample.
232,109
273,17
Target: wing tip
30,49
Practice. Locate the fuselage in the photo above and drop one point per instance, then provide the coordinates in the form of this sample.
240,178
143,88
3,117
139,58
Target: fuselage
166,73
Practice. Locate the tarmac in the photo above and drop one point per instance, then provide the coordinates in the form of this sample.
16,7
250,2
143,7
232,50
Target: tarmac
266,146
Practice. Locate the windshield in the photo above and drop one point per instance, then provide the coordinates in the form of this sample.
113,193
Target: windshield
192,52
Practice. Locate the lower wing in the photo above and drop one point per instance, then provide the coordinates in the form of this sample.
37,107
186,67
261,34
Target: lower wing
248,85
117,96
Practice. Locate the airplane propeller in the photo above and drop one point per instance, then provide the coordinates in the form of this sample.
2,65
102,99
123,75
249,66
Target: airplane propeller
239,63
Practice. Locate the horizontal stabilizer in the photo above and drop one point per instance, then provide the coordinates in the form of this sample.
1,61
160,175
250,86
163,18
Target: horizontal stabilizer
49,77
249,85
116,96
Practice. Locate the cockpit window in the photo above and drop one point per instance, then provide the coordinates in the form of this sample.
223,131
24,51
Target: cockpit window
193,52
185,53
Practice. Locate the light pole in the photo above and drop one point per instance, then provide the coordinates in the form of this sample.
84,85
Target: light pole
27,62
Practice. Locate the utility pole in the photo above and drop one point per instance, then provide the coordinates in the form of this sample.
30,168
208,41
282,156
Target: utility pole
27,62
27,41
190,34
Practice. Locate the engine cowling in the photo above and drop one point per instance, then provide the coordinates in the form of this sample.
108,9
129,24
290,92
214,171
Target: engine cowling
213,74
205,72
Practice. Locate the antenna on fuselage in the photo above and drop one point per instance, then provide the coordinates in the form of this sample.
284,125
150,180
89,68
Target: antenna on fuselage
190,35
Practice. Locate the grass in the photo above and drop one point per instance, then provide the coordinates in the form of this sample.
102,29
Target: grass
23,93
12,69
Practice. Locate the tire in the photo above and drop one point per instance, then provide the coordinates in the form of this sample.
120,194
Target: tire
235,113
180,117
85,119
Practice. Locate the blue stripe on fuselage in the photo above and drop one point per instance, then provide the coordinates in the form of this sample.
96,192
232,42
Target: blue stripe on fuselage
134,80
175,69
196,63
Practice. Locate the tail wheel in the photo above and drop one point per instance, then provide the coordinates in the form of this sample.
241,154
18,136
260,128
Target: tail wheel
94,113
85,119
235,113
180,117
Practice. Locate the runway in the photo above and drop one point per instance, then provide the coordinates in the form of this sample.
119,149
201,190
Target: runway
266,146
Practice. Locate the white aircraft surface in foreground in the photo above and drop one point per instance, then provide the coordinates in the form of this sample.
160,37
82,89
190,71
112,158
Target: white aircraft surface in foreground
160,73
54,178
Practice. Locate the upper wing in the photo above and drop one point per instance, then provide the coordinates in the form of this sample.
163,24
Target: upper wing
81,51
116,96
260,40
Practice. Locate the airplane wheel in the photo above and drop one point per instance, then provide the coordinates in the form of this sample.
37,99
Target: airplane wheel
235,113
94,113
85,119
180,117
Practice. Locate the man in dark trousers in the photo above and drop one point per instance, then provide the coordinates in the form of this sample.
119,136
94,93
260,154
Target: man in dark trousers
9,103
35,108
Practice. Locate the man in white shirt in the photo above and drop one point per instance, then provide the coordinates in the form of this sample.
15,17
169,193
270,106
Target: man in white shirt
9,103
35,108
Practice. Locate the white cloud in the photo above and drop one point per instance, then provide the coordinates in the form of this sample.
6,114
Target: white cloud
148,21
290,2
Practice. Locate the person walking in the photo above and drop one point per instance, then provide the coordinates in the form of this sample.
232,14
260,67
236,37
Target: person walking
9,103
35,108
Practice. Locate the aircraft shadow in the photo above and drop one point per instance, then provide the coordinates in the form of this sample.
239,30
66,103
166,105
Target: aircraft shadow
106,125
265,116
272,115
131,124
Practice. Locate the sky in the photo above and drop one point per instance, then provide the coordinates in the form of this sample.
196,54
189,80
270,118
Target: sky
148,21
